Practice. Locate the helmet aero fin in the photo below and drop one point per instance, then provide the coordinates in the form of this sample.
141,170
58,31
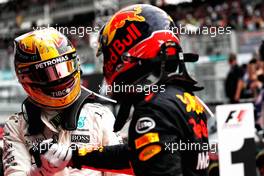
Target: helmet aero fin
173,65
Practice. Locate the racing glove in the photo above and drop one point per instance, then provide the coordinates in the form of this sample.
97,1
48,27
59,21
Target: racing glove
53,160
113,158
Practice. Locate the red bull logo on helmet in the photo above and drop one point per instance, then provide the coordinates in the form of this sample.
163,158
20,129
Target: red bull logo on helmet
119,21
119,46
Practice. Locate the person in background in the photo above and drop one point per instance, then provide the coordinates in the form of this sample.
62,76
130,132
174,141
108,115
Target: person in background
251,85
233,82
261,59
259,106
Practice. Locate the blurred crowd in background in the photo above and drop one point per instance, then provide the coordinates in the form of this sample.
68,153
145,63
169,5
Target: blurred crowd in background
244,17
245,83
240,15
231,67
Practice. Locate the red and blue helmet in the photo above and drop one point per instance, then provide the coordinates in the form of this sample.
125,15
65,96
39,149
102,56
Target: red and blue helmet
134,43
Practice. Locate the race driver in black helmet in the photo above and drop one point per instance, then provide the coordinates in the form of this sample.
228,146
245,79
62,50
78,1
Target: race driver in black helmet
168,131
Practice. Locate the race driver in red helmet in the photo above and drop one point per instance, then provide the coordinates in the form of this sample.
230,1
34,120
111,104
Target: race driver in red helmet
143,60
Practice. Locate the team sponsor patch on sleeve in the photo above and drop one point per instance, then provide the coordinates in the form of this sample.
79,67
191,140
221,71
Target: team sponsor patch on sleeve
144,125
146,139
191,102
149,152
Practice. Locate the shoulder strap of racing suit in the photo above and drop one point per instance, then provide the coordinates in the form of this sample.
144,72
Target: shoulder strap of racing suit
70,115
32,116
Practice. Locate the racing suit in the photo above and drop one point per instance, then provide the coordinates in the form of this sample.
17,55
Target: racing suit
167,136
94,128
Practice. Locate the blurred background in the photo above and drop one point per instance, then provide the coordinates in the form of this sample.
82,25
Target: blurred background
80,20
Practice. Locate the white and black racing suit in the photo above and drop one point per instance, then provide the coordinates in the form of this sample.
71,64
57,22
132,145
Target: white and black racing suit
95,128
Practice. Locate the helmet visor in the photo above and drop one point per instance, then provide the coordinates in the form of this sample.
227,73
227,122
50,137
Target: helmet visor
50,70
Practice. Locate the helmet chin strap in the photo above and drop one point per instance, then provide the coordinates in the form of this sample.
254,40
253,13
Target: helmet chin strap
180,74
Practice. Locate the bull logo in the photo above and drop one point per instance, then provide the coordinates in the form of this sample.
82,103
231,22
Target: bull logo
119,21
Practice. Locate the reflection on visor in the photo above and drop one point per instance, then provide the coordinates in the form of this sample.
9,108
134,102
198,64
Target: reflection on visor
50,73
55,72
